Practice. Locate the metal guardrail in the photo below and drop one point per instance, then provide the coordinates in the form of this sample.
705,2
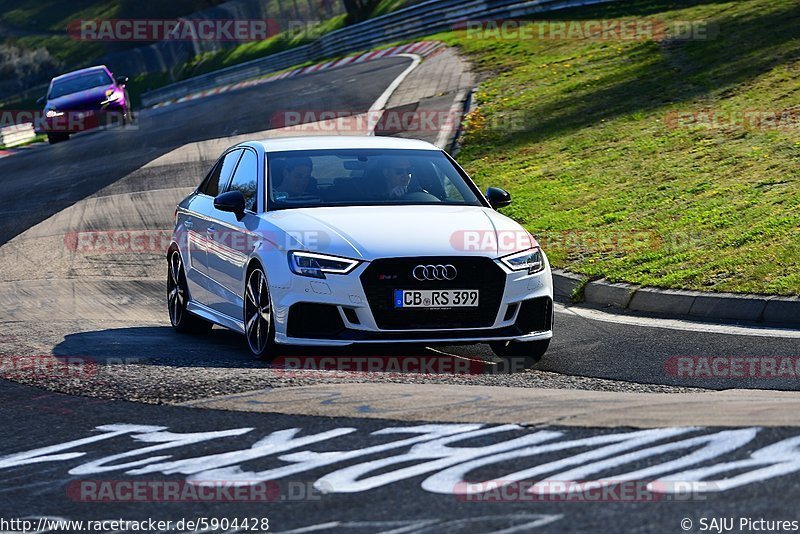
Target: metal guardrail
421,19
12,136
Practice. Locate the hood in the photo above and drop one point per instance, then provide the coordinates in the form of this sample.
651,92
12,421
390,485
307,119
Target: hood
370,232
89,99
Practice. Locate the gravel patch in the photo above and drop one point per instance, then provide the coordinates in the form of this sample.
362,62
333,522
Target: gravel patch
156,366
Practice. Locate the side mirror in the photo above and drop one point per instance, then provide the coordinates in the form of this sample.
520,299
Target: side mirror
40,100
232,202
498,198
122,80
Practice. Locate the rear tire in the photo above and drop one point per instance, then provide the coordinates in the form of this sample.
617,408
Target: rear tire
524,354
259,327
181,319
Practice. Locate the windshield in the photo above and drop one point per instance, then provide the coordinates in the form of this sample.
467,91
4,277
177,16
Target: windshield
79,83
356,177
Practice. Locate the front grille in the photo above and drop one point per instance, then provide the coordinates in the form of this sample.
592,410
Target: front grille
384,276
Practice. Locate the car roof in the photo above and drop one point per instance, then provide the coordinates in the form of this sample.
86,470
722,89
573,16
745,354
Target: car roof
327,142
81,72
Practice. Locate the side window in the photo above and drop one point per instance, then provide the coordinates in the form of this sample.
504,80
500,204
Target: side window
211,179
246,179
218,178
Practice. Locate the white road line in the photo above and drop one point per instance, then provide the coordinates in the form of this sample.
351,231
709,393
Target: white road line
314,528
421,49
382,100
448,131
678,324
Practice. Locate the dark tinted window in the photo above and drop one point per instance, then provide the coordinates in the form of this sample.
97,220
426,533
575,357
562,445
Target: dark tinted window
354,177
80,83
246,179
218,178
211,177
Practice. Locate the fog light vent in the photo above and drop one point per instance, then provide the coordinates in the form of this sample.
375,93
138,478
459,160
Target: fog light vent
351,315
512,309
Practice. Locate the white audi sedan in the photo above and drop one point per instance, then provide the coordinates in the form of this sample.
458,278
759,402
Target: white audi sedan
333,241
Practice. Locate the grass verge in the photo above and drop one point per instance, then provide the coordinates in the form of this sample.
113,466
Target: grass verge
583,134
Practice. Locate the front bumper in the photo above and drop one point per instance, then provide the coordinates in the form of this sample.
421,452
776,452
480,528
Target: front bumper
337,311
76,121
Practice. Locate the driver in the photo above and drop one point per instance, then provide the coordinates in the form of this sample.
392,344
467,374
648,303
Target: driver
297,180
397,177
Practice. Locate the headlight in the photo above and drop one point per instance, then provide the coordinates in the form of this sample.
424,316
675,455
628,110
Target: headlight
53,113
316,265
531,259
112,96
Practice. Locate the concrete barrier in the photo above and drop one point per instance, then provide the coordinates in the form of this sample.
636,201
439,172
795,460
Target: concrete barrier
767,309
18,134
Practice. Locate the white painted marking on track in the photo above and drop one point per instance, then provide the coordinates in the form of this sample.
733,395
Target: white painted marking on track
382,100
448,131
314,528
445,453
678,324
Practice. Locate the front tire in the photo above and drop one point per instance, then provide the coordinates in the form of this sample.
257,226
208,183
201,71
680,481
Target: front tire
127,113
57,138
525,354
182,320
258,325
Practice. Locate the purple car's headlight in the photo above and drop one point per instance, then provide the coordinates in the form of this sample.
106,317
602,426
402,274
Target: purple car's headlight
113,95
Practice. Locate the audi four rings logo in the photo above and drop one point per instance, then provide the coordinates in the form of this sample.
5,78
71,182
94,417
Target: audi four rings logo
434,272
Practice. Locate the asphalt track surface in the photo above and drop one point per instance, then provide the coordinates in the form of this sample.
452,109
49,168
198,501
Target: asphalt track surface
144,360
400,502
46,180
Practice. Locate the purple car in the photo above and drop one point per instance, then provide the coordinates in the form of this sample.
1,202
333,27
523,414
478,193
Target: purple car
82,100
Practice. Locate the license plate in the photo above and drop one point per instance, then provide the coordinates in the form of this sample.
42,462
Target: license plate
436,298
